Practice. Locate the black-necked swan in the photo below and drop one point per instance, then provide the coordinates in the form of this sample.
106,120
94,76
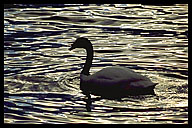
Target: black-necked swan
110,82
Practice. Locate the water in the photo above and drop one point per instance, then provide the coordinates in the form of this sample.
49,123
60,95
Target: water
41,76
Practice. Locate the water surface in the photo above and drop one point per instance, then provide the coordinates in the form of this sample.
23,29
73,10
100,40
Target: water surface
41,76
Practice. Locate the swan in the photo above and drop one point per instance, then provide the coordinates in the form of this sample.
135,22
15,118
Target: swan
110,82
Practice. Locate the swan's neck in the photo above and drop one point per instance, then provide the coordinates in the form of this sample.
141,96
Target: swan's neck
89,59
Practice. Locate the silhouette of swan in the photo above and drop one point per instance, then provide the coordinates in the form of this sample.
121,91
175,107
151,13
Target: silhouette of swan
110,82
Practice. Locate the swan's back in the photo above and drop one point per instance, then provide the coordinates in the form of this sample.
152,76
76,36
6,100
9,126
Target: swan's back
117,72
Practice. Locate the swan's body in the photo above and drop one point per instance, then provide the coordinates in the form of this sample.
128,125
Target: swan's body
111,82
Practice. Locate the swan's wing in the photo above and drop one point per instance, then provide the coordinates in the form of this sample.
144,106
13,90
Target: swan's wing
117,72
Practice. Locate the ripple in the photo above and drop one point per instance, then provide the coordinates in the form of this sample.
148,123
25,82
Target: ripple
41,76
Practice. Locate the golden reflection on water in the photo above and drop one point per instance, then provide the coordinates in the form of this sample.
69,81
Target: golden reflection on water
41,76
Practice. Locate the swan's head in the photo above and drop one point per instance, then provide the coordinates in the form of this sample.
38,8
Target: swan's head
80,43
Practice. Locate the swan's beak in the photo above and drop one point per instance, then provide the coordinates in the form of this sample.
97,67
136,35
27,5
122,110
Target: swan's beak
71,48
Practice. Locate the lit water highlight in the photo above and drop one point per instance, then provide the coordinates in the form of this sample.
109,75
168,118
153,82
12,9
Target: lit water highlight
41,76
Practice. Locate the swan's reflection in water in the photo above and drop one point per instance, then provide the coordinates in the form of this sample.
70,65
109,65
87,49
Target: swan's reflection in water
89,107
88,103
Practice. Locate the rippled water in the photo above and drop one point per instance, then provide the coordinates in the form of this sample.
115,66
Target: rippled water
41,76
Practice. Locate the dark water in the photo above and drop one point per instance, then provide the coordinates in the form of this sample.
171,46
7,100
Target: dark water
41,76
